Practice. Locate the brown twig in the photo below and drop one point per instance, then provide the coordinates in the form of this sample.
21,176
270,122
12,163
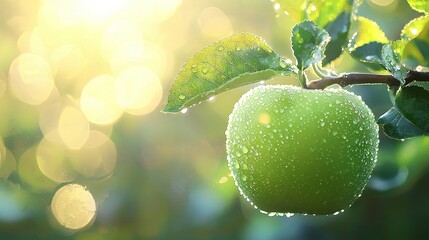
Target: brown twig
367,79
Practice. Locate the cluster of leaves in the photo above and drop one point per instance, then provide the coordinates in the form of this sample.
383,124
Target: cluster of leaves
325,29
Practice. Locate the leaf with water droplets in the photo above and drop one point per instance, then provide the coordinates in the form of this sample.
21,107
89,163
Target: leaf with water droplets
419,5
338,30
392,62
369,54
414,27
366,43
410,115
235,61
308,43
365,31
416,51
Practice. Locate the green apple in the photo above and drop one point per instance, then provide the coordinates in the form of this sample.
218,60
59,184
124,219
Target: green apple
293,150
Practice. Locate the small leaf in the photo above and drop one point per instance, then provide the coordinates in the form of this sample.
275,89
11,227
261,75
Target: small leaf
410,115
365,31
370,55
232,62
412,29
396,126
308,43
392,62
419,5
416,52
413,102
322,12
338,31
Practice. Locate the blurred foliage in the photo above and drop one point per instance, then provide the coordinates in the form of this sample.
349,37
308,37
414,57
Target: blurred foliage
169,178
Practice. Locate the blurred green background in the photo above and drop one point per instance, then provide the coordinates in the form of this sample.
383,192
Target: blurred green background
86,154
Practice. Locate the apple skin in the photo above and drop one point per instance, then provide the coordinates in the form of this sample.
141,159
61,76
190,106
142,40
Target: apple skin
293,150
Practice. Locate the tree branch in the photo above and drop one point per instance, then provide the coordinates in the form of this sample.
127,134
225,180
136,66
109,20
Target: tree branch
367,79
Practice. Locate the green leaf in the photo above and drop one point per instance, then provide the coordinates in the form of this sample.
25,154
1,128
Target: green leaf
365,31
396,126
419,5
308,43
416,52
412,29
392,62
370,55
338,31
322,12
410,115
235,61
332,15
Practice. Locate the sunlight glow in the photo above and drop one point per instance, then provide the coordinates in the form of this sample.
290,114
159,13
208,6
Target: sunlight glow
214,23
98,101
31,78
138,90
73,128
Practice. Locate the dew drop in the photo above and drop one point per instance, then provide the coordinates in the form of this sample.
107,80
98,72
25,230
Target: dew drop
220,48
181,96
322,123
244,149
184,110
205,70
194,68
282,63
334,133
211,99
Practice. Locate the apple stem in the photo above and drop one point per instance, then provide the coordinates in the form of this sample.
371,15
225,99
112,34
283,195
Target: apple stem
367,79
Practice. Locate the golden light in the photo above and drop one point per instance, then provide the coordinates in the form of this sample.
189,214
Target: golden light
49,115
30,174
155,11
97,158
68,62
264,119
122,39
73,127
223,180
52,161
98,100
59,14
31,79
100,10
214,23
73,206
138,90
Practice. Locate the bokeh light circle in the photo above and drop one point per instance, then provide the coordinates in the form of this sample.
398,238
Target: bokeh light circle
73,206
98,100
138,90
97,158
52,161
73,127
31,78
